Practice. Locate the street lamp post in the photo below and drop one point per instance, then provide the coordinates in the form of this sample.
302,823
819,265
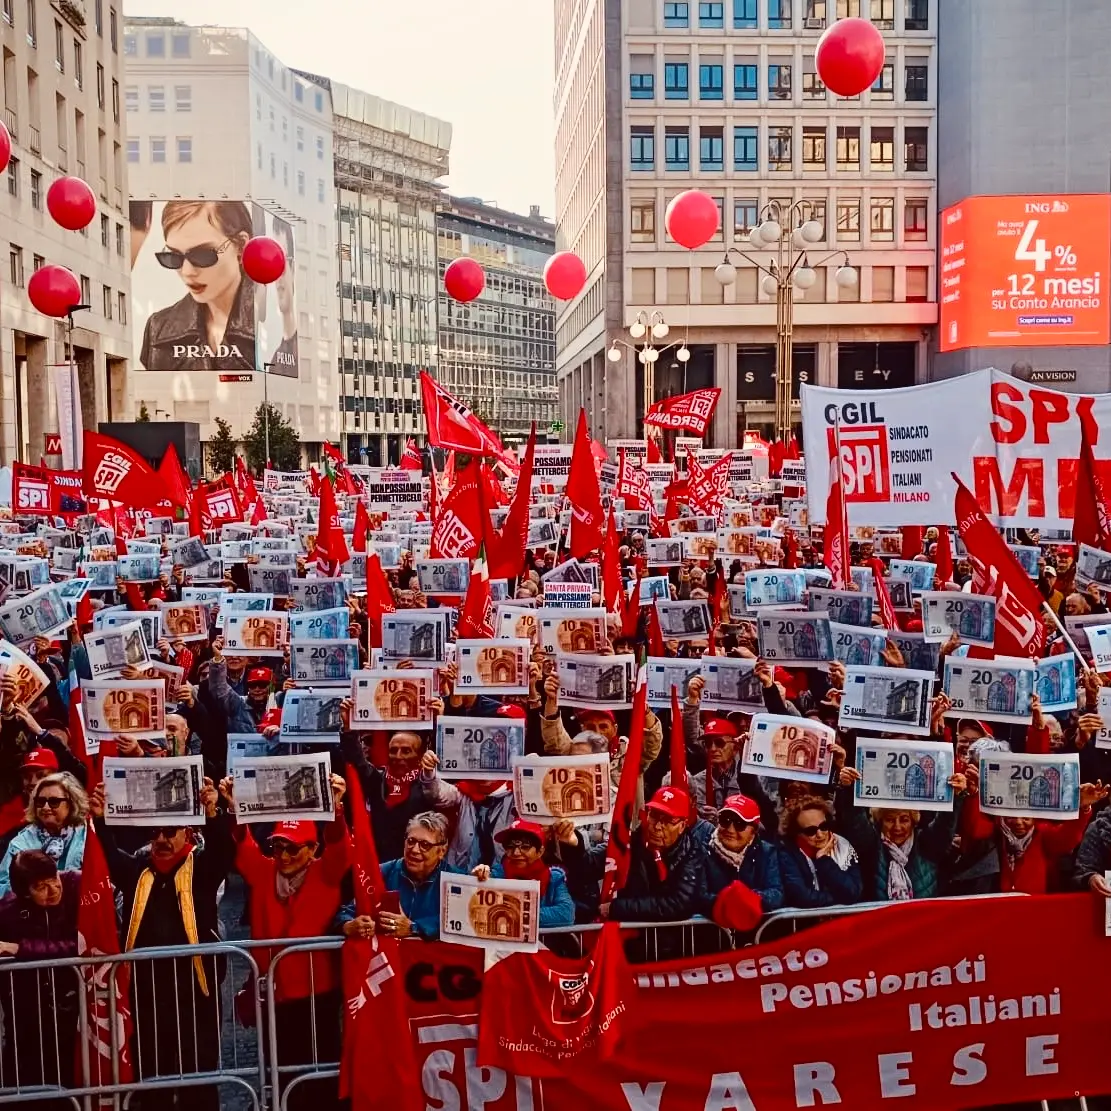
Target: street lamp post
266,407
646,329
790,231
75,399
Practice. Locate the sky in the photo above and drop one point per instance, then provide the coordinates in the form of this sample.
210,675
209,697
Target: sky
485,66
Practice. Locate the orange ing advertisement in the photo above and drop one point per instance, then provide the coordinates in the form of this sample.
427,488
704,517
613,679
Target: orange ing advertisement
1025,271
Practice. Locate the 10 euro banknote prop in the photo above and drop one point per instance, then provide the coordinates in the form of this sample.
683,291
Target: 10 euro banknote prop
795,639
562,631
897,774
185,621
252,633
323,663
400,697
894,700
493,666
992,690
1019,785
495,914
789,748
311,716
549,789
42,613
479,748
164,792
969,616
607,682
111,650
124,707
30,679
283,788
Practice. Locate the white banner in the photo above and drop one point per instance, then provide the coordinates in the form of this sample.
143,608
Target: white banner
67,397
1014,444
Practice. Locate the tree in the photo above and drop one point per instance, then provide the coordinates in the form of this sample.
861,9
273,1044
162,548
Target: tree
285,444
144,413
221,448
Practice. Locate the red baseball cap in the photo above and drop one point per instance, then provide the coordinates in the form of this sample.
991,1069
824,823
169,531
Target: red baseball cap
42,758
296,833
743,807
719,727
511,710
673,801
529,829
609,715
259,675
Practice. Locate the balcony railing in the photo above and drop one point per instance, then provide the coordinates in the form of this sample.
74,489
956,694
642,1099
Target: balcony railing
11,122
34,139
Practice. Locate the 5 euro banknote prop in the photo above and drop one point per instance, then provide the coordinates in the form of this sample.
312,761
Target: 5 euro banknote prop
992,690
111,650
789,748
589,681
896,774
479,748
283,788
495,914
164,792
311,717
397,697
1018,785
891,699
665,672
548,789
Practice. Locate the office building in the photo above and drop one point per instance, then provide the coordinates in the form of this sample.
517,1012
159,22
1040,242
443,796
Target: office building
654,97
62,106
497,353
214,117
389,161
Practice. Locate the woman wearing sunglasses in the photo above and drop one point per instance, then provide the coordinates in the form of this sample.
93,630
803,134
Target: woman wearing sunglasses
213,326
820,868
523,859
56,814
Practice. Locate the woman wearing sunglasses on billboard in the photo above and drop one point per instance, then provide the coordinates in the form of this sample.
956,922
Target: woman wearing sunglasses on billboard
213,326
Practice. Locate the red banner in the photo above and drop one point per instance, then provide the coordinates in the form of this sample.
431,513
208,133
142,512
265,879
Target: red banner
47,491
937,1005
689,410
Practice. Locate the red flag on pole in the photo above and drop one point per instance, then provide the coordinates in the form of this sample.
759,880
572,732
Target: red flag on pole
112,470
362,527
452,425
691,411
584,495
1092,517
459,527
883,596
943,555
379,599
331,545
173,475
476,618
653,451
912,536
507,560
612,586
678,751
836,536
410,457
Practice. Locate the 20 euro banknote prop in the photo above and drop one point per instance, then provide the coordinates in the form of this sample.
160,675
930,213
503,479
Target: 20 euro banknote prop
189,552
443,576
578,631
548,789
319,594
311,716
333,624
138,568
920,573
252,633
496,914
898,774
30,679
793,639
1028,556
164,792
989,689
1020,785
283,788
684,620
124,707
789,748
855,645
596,681
42,613
416,635
892,699
102,573
111,650
493,666
969,616
401,697
774,588
665,672
478,748
1055,683
731,684
1093,566
185,621
271,580
846,607
323,663
918,653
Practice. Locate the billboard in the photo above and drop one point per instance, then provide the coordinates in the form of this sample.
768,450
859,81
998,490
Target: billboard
1025,271
193,307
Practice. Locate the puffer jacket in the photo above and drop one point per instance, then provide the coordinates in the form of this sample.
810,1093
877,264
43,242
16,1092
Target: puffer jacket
827,885
759,872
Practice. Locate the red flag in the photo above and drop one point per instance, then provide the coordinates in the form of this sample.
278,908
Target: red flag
331,545
707,486
332,452
96,937
653,451
719,599
218,503
410,457
584,495
836,553
452,425
630,610
790,550
943,555
507,561
379,599
624,811
476,618
655,632
776,454
241,472
1091,522
78,742
252,502
792,449
883,596
112,470
678,753
612,586
633,484
362,527
1019,629
459,526
173,475
913,536
692,411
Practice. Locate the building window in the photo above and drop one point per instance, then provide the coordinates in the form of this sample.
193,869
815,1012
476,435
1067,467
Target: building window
779,15
273,165
744,83
133,150
848,220
882,148
642,221
883,219
119,240
9,17
99,85
86,290
642,86
157,149
744,14
106,300
917,15
677,148
779,82
78,65
320,190
156,98
848,148
848,9
818,212
813,87
37,262
917,82
915,220
156,46
814,147
916,141
184,149
744,148
179,44
320,147
115,100
36,190
918,283
13,177
710,82
59,48
642,148
744,217
300,183
113,29
677,15
183,98
131,46
711,148
815,18
259,156
32,23
131,98
15,265
884,86
883,283
779,148
711,14
883,14
121,306
300,138
676,81
299,93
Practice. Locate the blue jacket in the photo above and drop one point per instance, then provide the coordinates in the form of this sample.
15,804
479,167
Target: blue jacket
420,903
557,908
833,886
759,872
29,838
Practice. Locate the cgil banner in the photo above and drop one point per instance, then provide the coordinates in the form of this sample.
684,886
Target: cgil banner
1015,445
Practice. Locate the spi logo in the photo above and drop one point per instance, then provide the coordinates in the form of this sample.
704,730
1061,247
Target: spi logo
32,495
865,462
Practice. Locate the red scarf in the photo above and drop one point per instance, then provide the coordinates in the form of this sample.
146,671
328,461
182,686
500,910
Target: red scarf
806,847
661,865
479,790
398,787
537,870
164,865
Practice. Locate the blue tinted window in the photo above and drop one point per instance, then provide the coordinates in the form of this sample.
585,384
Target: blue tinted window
677,149
642,86
744,83
642,148
711,14
744,148
710,82
676,81
677,15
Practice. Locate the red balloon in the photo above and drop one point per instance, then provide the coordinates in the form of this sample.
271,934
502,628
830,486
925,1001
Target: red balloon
5,147
850,56
564,275
54,290
263,259
464,279
692,219
71,203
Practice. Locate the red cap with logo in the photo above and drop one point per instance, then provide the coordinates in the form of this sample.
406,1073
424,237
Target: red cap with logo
296,833
259,675
511,710
519,827
743,807
673,801
609,715
719,727
41,758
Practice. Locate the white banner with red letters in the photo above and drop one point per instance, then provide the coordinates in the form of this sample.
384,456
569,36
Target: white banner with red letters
1016,446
